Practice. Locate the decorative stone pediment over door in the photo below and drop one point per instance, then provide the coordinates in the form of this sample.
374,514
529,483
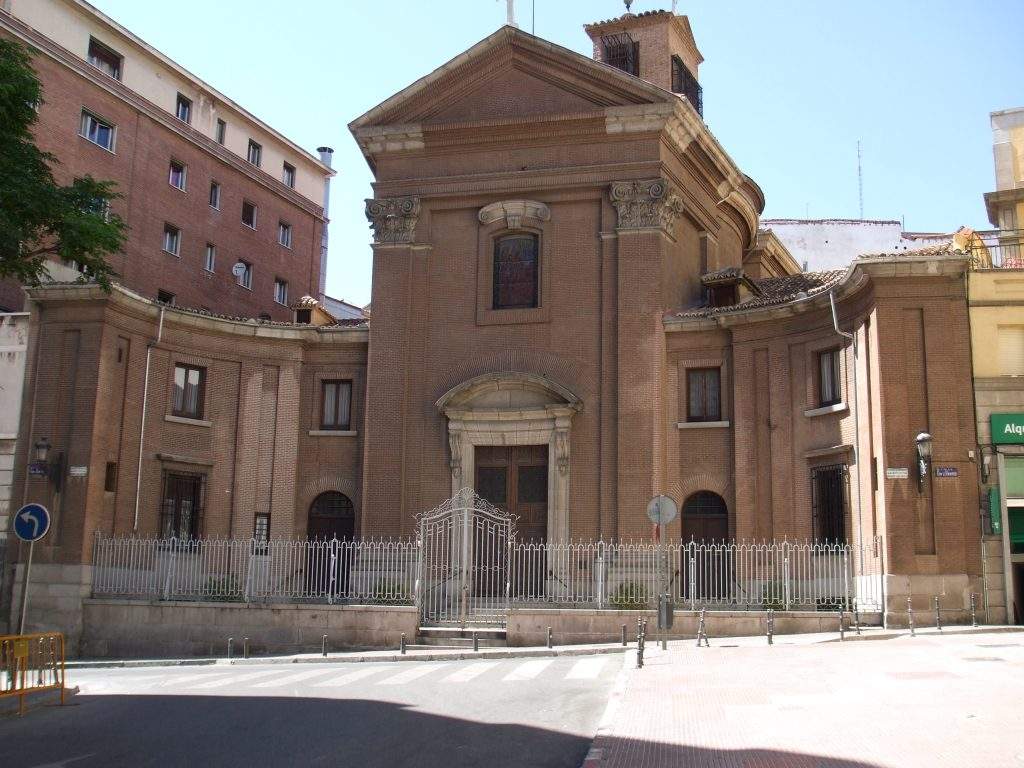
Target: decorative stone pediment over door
512,408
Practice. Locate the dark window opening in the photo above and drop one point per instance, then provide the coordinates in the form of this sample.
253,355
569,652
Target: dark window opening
703,394
828,503
516,272
829,389
336,405
222,129
105,58
189,389
684,83
165,297
249,214
254,154
110,477
331,516
704,517
261,529
723,295
304,316
182,505
622,52
183,109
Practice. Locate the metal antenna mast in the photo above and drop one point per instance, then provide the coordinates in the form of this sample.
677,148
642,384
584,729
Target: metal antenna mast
860,181
510,5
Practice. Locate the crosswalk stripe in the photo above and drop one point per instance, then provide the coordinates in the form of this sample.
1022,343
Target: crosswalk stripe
586,669
239,678
527,670
351,677
180,679
291,679
470,671
414,671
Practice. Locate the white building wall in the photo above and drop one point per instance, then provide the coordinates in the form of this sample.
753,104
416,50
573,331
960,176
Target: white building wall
13,350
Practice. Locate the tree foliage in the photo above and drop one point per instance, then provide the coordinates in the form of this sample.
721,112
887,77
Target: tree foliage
39,218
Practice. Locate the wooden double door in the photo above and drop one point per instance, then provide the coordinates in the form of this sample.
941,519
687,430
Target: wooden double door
514,478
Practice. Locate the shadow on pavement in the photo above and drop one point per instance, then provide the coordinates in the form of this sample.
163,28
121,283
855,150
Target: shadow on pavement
248,731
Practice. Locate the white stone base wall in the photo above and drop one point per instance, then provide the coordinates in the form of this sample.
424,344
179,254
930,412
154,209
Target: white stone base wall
156,629
954,593
55,595
571,626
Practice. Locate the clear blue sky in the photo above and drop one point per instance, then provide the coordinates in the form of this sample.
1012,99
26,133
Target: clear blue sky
789,88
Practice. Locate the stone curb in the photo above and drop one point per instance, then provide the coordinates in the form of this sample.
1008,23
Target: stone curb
355,658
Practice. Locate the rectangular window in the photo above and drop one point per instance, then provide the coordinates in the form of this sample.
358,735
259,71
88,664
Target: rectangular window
829,384
1010,343
210,259
245,275
165,297
189,389
261,529
110,477
336,405
181,508
281,291
222,131
215,195
684,83
622,52
183,109
249,214
254,154
172,239
516,272
703,394
97,131
828,503
104,58
176,175
284,234
288,175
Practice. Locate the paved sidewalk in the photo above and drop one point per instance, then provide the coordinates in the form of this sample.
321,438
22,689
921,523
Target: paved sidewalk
949,699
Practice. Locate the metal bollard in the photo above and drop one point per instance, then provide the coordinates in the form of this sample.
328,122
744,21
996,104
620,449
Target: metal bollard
938,618
401,644
702,632
323,647
974,615
770,625
640,649
231,641
856,619
842,629
550,642
245,647
624,636
639,628
476,642
910,616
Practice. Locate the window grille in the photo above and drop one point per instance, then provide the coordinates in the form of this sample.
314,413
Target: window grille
622,52
828,502
684,83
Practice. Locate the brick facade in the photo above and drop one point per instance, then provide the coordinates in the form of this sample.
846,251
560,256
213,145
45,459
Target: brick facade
148,137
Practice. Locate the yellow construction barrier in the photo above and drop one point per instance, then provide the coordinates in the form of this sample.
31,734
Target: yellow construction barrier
30,663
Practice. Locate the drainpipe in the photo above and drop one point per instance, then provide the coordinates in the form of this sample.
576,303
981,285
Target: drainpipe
326,155
142,425
856,430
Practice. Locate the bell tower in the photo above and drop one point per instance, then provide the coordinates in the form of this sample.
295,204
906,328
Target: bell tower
656,46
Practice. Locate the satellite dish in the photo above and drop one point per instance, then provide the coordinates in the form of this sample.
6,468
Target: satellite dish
238,270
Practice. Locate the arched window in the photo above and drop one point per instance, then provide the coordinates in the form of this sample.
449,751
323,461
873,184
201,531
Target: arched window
705,517
331,515
516,271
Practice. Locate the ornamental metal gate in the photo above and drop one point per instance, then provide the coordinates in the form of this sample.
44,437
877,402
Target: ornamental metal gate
463,574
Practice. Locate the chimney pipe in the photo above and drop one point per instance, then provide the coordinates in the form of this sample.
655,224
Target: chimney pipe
326,156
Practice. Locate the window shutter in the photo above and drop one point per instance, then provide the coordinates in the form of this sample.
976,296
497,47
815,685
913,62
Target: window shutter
1011,350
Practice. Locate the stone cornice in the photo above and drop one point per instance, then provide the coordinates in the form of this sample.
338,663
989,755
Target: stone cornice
165,119
132,303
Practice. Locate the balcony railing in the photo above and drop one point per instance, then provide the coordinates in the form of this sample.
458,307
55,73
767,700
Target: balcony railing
997,249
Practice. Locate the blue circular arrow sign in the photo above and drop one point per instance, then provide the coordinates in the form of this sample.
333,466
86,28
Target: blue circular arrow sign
31,522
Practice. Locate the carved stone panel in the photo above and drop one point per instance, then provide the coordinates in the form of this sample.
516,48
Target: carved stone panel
393,220
646,204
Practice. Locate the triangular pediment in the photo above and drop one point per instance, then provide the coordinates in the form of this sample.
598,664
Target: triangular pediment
510,75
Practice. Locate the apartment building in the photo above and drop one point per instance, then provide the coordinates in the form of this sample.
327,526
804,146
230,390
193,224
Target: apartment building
205,184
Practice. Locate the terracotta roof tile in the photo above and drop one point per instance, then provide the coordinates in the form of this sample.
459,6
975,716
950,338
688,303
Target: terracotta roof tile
775,291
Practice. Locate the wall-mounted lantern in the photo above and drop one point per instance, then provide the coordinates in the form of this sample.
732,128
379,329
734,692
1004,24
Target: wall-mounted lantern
924,458
41,450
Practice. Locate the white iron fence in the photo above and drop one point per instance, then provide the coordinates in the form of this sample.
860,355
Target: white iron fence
591,574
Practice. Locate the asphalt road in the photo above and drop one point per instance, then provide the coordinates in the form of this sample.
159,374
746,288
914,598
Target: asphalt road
499,712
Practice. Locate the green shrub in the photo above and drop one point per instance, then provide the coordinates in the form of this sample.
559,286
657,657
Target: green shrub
389,592
224,589
773,596
630,596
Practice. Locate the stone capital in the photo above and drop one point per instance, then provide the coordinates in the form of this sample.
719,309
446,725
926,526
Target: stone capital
393,220
646,204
